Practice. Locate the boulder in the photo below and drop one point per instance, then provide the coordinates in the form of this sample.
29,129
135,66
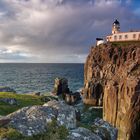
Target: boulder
34,120
10,101
72,98
7,89
37,93
48,98
100,130
66,114
105,130
81,133
61,86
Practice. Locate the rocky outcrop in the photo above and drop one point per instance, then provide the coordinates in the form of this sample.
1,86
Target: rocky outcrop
112,79
61,86
7,89
10,101
34,120
66,115
104,129
81,133
100,130
72,98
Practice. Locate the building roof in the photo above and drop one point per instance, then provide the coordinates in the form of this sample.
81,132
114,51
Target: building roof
98,39
116,22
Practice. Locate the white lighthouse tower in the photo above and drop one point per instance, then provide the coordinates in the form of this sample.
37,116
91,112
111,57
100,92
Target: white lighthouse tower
116,27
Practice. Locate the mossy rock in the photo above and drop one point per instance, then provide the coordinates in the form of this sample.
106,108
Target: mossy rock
53,132
9,134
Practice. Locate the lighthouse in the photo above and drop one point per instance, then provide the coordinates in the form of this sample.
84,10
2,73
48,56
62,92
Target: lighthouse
118,36
116,27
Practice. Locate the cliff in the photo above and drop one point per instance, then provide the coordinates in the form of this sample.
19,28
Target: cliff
112,79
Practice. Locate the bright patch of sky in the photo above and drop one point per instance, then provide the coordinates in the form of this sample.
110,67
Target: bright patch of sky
59,30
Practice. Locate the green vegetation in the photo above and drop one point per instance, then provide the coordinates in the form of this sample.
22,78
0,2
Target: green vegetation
104,133
125,43
9,133
89,115
23,100
54,132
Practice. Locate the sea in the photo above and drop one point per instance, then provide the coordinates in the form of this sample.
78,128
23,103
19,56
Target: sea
39,77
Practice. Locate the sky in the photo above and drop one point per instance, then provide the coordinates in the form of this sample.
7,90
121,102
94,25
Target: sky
59,31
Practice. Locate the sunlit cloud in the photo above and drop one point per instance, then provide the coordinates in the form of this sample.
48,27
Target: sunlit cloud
58,30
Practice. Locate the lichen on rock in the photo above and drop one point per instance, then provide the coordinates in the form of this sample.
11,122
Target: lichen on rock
34,120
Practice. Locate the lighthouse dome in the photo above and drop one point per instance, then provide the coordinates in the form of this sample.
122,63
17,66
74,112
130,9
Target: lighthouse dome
116,22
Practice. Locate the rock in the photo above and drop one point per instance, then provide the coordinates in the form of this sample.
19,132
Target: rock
104,129
35,117
4,121
48,98
11,101
112,79
34,120
60,86
72,98
37,94
7,89
78,114
101,130
81,133
123,105
66,114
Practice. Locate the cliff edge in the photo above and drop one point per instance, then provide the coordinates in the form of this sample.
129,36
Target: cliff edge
112,79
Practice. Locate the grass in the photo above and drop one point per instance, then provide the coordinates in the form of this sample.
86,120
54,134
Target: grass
23,100
125,43
90,115
9,134
54,132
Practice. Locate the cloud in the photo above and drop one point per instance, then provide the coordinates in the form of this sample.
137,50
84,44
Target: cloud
58,30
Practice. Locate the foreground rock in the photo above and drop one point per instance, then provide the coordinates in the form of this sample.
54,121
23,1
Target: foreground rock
81,133
105,130
33,120
112,79
101,130
66,115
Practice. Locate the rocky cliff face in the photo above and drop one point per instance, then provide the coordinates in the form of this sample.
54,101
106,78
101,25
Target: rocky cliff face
112,79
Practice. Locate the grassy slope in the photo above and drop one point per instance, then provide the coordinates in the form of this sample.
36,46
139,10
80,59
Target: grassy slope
54,132
24,100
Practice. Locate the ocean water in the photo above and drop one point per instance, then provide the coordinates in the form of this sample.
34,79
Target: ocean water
27,78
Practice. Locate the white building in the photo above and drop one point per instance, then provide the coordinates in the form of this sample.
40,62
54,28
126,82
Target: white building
99,41
122,36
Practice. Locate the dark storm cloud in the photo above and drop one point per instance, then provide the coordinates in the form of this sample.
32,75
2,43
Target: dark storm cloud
59,30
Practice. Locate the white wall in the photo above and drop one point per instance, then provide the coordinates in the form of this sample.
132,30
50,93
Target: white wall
100,42
130,36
